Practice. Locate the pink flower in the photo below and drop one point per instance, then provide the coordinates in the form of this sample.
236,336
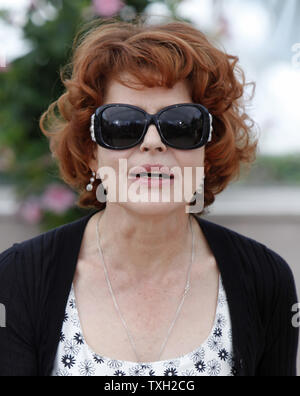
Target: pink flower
107,8
33,5
58,199
31,211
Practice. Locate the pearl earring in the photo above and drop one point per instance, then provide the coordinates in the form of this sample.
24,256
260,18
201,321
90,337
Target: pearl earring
90,186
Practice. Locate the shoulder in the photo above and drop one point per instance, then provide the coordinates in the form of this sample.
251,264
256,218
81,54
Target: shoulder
257,263
252,251
256,277
22,264
32,259
29,252
47,242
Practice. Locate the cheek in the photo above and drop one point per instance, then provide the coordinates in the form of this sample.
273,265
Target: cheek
190,158
111,158
191,163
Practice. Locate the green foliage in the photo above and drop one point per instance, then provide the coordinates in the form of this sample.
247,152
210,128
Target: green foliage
276,170
28,87
51,220
139,5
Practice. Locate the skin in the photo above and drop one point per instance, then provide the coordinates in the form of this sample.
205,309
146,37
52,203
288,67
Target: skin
147,249
147,230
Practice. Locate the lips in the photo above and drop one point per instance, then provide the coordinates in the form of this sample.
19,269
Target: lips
154,175
156,171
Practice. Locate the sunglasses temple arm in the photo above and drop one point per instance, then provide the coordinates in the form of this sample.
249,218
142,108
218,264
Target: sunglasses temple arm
211,128
92,128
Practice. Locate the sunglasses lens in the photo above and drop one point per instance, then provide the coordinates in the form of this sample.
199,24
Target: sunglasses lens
182,126
122,126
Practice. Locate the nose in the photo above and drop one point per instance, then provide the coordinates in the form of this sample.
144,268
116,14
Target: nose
152,141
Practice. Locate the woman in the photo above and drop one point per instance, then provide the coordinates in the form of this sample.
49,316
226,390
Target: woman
147,287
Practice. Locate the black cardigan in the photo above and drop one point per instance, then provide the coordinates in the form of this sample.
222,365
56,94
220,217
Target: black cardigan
36,277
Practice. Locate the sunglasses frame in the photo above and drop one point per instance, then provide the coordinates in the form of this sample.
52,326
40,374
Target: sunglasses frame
150,119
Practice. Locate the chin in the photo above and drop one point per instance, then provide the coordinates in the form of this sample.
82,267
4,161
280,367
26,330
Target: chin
152,208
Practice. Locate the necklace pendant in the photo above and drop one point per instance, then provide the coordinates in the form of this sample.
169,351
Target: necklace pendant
186,290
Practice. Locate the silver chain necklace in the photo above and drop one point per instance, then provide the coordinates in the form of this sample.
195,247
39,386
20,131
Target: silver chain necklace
186,290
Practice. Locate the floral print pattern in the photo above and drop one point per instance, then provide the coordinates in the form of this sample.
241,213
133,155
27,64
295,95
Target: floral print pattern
213,358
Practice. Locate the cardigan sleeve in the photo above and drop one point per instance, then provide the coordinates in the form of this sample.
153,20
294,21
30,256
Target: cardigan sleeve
282,333
17,350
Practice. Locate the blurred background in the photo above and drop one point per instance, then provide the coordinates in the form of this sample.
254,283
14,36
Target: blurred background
35,41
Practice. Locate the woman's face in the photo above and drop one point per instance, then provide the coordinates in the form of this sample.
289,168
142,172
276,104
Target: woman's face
151,151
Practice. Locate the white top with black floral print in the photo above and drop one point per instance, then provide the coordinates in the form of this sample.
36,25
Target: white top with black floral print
213,358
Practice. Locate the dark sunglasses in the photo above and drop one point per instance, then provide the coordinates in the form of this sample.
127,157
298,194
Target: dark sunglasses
185,126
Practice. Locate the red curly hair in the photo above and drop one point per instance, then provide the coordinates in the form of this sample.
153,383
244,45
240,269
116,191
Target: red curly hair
177,51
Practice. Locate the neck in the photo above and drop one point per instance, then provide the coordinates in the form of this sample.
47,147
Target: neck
144,246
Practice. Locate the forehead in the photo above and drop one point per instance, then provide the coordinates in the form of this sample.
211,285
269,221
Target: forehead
150,99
